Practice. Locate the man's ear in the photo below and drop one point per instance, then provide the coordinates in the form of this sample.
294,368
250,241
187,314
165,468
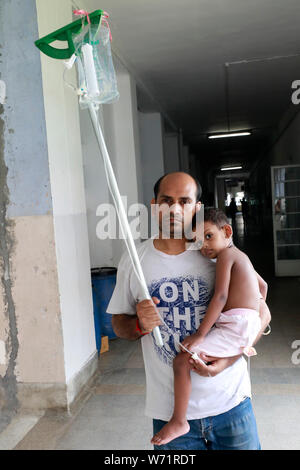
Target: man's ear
153,202
228,230
198,206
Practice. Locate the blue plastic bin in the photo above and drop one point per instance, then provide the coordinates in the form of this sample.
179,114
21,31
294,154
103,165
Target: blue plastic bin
103,284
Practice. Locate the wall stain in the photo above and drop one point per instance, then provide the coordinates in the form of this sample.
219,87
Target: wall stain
9,404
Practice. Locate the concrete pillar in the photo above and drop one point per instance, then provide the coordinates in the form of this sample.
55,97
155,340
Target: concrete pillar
69,206
152,156
46,312
221,193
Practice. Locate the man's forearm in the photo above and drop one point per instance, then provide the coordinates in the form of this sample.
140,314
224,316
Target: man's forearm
259,335
265,317
124,326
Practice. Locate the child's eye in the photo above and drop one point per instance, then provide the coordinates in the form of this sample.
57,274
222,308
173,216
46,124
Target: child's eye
208,236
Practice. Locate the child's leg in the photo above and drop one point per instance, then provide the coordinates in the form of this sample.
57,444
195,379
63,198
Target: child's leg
178,425
182,386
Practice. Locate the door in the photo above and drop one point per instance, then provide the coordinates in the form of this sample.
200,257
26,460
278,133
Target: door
286,219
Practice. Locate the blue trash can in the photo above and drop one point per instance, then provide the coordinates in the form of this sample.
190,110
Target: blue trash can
103,284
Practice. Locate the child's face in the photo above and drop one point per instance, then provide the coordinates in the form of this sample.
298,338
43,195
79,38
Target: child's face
215,239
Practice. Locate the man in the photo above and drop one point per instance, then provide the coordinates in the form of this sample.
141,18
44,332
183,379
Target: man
181,283
232,210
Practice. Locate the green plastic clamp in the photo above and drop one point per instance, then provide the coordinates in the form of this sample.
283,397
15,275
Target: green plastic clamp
65,34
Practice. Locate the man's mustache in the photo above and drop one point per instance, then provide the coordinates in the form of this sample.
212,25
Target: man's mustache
171,218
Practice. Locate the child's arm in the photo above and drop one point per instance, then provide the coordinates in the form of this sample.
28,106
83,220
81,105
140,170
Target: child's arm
223,274
263,286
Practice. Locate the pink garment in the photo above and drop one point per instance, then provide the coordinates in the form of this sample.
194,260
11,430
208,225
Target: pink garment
235,330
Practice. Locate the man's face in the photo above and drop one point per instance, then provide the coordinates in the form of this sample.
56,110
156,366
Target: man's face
176,205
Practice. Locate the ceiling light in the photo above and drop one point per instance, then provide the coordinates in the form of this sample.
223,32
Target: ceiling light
232,168
229,134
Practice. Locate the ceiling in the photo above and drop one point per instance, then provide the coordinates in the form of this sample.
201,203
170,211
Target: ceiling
211,66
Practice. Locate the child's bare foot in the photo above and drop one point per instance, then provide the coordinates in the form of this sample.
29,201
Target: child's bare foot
170,431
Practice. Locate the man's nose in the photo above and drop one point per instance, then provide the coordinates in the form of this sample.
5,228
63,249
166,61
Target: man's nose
176,208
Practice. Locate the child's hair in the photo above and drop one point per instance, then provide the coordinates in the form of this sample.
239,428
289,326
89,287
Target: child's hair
216,217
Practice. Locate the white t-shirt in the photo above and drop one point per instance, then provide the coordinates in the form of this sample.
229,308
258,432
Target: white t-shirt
184,285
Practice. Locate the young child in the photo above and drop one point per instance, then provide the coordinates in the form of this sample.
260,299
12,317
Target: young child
233,311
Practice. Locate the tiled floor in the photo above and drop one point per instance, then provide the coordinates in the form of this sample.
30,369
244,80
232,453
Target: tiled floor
112,416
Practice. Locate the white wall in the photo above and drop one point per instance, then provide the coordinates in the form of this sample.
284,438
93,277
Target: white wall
96,190
152,155
171,153
122,140
68,197
193,164
119,122
184,163
286,150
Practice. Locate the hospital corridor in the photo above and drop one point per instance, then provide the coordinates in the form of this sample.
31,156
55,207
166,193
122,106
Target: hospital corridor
98,101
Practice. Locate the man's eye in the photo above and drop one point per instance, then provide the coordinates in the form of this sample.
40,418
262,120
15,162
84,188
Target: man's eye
185,201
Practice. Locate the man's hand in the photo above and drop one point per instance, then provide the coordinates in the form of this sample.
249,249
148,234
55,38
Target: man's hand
148,315
215,365
265,317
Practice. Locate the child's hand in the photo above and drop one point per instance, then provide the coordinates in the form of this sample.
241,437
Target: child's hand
192,342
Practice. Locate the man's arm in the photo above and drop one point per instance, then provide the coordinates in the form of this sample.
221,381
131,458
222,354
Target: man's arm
263,287
265,317
124,325
214,366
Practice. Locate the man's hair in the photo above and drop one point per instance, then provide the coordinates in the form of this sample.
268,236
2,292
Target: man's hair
157,186
216,217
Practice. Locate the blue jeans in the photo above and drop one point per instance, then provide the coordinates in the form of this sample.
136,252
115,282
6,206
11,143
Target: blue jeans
233,430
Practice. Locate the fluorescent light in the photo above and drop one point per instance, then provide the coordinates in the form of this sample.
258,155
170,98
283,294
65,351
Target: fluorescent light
232,168
230,134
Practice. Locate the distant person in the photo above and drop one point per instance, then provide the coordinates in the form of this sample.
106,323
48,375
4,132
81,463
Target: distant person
245,209
232,209
278,206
